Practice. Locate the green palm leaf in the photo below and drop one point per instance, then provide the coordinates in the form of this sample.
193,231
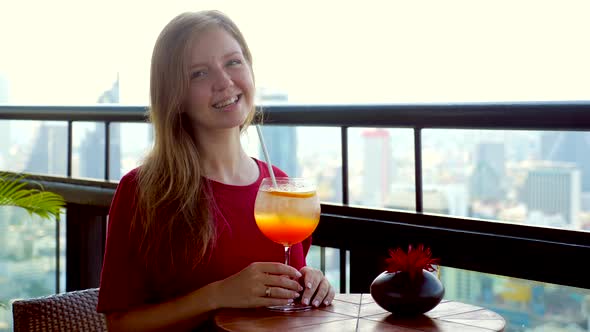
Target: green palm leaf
39,202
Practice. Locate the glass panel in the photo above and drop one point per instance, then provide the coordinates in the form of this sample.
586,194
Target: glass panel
313,258
8,147
62,252
33,146
332,261
299,152
88,146
130,142
532,177
526,305
381,168
27,259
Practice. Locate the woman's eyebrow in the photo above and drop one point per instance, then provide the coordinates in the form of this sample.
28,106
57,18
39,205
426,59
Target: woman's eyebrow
224,57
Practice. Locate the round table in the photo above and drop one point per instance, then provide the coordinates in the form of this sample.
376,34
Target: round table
359,312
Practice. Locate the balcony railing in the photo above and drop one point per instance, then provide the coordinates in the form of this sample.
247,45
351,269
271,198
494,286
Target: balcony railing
516,250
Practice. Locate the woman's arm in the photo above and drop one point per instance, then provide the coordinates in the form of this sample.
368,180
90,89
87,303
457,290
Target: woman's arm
248,288
180,314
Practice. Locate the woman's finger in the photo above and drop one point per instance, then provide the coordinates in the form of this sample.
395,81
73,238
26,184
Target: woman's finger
321,293
283,282
330,297
278,269
311,281
280,293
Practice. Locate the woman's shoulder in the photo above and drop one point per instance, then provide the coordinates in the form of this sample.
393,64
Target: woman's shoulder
129,182
264,169
131,177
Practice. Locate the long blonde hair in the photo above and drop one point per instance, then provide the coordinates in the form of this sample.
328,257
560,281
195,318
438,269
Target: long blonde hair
174,201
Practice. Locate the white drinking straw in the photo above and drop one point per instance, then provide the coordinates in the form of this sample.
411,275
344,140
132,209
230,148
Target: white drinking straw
267,158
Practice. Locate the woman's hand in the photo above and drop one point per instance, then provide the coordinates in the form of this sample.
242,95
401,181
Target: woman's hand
318,290
260,284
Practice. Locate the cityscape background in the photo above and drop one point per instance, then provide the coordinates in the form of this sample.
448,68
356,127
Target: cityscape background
530,177
55,53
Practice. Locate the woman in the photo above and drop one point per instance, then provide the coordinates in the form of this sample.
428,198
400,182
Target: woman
182,240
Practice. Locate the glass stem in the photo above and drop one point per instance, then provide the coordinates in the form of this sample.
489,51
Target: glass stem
287,254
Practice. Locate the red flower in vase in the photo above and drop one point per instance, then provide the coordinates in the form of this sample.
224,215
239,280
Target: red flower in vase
408,287
412,262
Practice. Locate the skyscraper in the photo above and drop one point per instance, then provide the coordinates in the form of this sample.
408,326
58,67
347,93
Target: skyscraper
281,141
91,156
551,191
487,179
464,285
377,168
572,147
49,155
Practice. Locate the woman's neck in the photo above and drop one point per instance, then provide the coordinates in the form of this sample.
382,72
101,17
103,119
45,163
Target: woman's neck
224,160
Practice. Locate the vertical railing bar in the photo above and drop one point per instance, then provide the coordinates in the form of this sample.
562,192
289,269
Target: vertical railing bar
344,146
69,150
323,260
345,200
57,254
107,146
342,252
57,227
418,168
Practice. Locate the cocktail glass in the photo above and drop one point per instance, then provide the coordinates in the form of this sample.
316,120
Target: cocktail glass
287,214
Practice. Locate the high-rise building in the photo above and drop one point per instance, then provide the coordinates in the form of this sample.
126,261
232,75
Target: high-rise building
487,179
377,167
91,157
461,284
336,184
552,192
281,141
457,197
571,147
49,155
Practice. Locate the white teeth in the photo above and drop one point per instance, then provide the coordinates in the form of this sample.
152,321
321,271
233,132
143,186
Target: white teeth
226,102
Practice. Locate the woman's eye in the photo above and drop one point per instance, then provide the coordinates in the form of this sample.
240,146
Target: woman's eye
234,62
198,74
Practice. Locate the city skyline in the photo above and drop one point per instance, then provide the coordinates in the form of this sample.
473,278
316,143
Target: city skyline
396,52
454,194
446,191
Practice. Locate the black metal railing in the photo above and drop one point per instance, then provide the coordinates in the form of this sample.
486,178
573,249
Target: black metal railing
535,253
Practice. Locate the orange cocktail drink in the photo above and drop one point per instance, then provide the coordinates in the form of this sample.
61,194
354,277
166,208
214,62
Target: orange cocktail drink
287,212
288,215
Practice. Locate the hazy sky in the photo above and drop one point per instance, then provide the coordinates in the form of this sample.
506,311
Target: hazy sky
69,52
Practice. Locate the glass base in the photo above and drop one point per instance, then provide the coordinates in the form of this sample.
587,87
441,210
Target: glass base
294,307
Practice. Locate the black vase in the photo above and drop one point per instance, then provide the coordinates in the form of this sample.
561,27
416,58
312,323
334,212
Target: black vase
399,294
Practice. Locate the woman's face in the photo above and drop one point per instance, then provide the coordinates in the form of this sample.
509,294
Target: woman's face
221,92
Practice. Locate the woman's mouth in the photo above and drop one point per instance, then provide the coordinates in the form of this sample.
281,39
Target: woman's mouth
225,103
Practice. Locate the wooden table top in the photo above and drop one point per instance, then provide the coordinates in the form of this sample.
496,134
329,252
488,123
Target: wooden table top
358,312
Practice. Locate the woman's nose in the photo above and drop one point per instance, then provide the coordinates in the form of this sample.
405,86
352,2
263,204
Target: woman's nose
222,80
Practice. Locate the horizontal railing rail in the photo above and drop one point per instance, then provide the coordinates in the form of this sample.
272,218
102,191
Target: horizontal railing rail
530,252
567,115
